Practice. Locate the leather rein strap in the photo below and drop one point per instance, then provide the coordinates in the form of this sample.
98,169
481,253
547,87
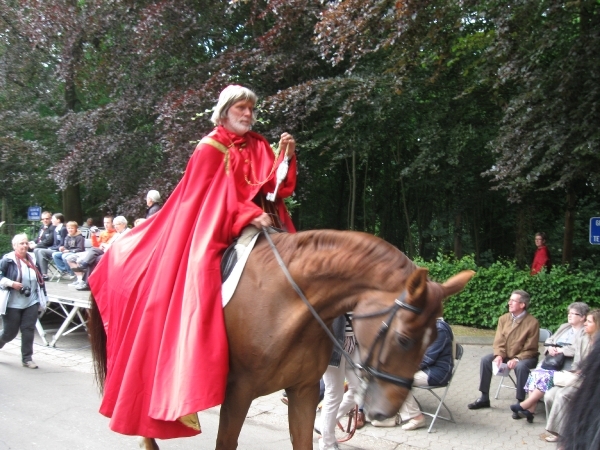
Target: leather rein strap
383,330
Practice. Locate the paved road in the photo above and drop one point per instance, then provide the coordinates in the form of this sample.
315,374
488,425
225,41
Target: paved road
55,407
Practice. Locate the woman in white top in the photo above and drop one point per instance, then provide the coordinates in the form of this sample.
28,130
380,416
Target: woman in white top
22,294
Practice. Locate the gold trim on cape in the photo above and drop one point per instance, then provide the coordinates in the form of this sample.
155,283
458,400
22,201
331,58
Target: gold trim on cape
191,420
221,147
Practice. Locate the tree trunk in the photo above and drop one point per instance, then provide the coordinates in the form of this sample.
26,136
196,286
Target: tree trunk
71,196
458,235
364,196
476,231
72,203
352,199
408,233
522,238
567,254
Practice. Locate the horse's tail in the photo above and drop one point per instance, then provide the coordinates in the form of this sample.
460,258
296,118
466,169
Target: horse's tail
98,340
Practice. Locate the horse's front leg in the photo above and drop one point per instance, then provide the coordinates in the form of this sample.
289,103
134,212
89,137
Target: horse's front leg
148,443
233,413
302,407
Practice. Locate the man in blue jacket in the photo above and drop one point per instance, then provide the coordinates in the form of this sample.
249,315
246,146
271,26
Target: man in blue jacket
435,370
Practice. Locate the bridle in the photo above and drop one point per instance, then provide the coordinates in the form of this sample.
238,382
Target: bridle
364,367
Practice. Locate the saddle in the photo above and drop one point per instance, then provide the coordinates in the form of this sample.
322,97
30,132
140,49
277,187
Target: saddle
228,261
231,255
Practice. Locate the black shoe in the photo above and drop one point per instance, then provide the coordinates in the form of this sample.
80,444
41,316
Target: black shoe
45,277
478,404
528,414
516,408
516,416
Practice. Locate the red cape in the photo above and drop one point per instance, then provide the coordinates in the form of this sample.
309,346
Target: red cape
158,289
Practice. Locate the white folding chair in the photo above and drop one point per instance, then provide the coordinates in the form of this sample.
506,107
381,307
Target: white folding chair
458,352
544,334
53,272
85,232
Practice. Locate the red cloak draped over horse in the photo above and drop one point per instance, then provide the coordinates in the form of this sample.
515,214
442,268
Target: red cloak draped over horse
158,289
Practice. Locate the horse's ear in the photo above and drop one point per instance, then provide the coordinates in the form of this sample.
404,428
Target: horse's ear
457,282
416,285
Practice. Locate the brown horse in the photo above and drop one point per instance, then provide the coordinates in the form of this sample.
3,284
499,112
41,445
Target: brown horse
275,342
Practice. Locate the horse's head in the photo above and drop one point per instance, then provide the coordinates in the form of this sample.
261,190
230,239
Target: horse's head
393,339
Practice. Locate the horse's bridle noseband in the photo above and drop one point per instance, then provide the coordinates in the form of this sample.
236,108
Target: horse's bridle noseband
364,366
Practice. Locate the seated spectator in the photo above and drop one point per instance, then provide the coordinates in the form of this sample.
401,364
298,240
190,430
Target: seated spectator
89,223
45,237
540,380
120,226
152,200
336,404
516,344
558,398
101,237
74,243
434,370
85,262
43,255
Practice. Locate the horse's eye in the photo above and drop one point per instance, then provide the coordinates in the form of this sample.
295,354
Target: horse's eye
404,341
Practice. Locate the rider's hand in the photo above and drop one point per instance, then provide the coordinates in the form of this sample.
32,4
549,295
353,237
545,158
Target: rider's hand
288,144
261,221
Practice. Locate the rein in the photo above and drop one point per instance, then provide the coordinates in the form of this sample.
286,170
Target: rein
383,330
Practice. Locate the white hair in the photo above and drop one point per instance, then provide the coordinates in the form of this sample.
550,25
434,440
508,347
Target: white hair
120,219
232,94
18,237
154,196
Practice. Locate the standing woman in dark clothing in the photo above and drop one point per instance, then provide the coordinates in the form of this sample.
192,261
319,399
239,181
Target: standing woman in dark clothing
22,294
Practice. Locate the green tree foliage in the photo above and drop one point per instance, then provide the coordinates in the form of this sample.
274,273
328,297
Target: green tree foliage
398,108
550,59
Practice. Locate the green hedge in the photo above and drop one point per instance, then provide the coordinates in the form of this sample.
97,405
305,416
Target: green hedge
5,244
485,297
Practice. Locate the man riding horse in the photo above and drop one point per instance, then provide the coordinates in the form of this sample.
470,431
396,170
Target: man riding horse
163,347
158,289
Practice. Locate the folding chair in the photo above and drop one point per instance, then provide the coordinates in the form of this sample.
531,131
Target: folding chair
544,334
53,272
85,232
458,353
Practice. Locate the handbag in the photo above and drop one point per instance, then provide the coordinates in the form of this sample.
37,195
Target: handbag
555,362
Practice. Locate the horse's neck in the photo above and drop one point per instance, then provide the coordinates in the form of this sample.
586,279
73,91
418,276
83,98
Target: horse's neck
339,269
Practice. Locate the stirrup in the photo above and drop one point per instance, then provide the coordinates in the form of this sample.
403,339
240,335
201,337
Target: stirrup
191,420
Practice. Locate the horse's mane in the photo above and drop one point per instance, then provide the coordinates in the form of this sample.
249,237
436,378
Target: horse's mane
344,255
